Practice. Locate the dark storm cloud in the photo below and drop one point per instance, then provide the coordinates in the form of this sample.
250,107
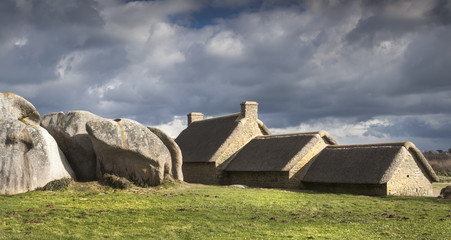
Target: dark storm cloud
353,67
387,20
426,67
434,126
12,20
441,12
49,30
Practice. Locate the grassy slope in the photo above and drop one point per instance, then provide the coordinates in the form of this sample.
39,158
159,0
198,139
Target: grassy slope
198,211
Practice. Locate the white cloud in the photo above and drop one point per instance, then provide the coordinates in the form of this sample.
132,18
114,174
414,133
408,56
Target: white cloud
380,129
19,42
345,131
225,44
67,63
162,47
100,90
174,127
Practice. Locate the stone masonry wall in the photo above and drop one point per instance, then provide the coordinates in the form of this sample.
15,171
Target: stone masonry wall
361,189
258,179
199,173
298,172
246,131
409,178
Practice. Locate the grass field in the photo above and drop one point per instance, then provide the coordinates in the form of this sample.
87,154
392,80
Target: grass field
189,211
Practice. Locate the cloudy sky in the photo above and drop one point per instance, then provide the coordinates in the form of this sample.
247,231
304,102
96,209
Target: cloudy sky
365,71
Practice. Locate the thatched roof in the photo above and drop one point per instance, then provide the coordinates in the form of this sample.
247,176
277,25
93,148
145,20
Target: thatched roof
201,139
362,164
275,152
325,135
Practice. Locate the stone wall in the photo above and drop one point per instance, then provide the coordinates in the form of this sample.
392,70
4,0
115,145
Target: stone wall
409,178
245,132
204,173
298,172
258,179
361,189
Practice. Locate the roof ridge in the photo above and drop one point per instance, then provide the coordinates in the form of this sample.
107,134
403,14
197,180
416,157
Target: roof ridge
392,144
219,117
263,127
286,135
323,134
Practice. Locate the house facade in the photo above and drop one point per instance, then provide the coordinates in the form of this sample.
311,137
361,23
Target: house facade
371,169
239,149
276,161
208,144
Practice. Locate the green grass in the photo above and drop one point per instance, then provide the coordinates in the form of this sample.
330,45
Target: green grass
446,178
186,211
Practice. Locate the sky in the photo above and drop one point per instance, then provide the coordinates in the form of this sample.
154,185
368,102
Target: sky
365,71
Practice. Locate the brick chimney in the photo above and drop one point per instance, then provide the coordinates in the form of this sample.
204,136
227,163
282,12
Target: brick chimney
249,110
195,116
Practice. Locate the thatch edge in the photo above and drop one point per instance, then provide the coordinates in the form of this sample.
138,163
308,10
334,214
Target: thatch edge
417,153
304,150
407,145
326,137
229,139
224,116
263,127
323,134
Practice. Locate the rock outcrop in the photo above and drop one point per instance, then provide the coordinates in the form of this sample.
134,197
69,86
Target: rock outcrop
69,131
13,106
128,149
445,192
29,156
176,153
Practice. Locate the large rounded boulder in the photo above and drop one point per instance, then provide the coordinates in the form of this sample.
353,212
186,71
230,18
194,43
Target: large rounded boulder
174,149
128,149
69,131
445,192
29,156
15,107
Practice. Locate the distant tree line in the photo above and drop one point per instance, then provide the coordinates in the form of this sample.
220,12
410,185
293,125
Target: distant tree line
437,151
440,161
438,155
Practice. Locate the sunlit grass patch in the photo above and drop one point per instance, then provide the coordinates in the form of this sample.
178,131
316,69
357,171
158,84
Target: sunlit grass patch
190,211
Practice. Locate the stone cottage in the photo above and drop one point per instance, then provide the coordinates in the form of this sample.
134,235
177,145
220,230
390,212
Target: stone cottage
207,144
372,169
276,161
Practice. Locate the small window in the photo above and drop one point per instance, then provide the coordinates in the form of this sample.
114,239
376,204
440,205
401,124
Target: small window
407,175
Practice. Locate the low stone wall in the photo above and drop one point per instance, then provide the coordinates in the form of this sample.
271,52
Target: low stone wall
362,189
259,179
204,173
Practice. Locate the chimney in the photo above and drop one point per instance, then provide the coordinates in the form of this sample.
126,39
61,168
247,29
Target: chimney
249,110
195,116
